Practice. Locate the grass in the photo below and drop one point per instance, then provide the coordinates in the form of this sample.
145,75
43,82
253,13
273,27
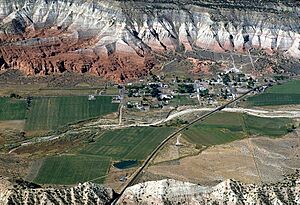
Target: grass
72,169
183,100
12,109
226,127
134,143
273,127
285,94
47,113
93,161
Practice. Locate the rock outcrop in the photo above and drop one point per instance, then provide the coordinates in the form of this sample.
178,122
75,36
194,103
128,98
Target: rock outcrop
229,192
166,191
22,192
117,39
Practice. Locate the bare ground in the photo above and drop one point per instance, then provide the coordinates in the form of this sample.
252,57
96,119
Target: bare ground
251,160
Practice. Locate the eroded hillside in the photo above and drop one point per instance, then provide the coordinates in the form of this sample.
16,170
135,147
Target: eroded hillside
119,39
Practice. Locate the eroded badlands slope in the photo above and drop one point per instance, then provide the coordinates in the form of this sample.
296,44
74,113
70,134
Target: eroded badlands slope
117,39
22,192
166,191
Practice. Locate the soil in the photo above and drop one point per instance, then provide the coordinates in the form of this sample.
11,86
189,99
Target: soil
253,160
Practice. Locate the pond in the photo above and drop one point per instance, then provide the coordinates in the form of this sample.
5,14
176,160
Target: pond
126,164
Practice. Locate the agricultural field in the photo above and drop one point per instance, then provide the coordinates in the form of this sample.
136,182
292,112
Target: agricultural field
12,109
47,113
67,169
285,94
179,100
226,127
93,161
134,143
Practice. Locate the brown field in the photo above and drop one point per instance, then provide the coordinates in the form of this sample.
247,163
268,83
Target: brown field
12,124
249,160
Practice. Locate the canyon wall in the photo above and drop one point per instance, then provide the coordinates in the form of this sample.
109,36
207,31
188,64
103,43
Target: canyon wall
119,39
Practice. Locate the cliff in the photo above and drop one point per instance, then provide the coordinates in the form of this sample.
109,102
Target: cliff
119,39
166,191
22,192
229,192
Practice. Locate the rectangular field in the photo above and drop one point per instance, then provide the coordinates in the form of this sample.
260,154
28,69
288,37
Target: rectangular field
130,143
285,94
12,109
72,169
48,113
183,100
226,127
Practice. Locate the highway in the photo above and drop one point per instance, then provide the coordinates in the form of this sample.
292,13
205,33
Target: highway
133,178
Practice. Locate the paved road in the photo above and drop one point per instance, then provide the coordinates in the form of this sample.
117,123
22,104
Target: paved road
151,156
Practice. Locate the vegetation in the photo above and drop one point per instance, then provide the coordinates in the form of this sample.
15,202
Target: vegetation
183,100
93,161
134,143
48,113
185,88
226,127
72,169
12,109
285,94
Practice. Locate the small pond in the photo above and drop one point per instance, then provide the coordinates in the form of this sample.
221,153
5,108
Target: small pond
126,164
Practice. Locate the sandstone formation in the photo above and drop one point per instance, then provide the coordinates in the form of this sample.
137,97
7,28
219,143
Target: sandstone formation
117,39
22,192
229,192
167,191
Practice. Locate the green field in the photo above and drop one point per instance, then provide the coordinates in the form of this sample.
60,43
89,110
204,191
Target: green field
12,109
285,94
94,160
72,169
183,100
48,113
227,127
130,143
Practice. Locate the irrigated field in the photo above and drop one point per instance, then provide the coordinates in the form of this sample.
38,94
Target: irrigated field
12,109
73,169
131,143
48,113
226,127
285,94
94,160
183,100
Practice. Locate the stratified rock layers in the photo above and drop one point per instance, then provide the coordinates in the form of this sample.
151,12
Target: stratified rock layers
116,39
22,192
166,191
230,192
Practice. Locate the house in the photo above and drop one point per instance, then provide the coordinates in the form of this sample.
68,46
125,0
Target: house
91,97
165,97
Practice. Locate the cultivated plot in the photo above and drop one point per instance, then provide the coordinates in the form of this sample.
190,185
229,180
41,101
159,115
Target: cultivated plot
285,94
12,109
129,143
72,169
48,113
226,127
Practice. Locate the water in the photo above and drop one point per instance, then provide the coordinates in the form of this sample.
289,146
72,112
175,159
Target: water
126,164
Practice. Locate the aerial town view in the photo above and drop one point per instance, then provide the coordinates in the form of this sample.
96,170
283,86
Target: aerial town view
159,102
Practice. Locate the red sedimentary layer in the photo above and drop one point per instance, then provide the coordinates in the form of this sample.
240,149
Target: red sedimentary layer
53,51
